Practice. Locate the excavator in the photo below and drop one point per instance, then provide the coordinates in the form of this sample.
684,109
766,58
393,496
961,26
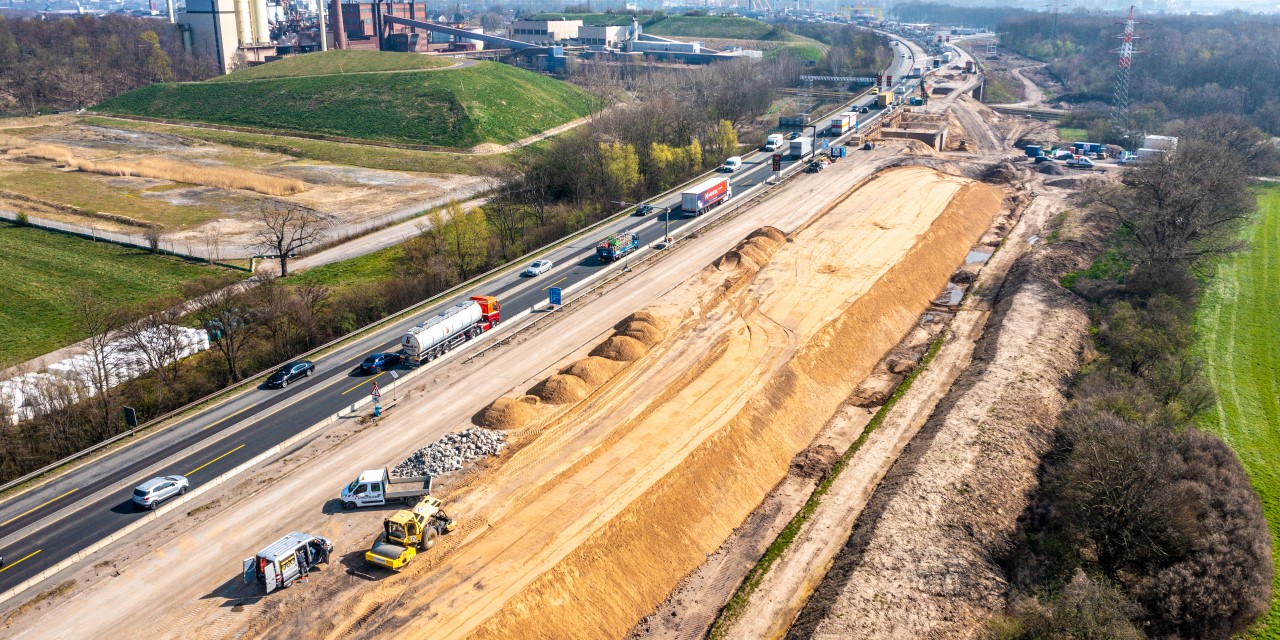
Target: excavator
406,532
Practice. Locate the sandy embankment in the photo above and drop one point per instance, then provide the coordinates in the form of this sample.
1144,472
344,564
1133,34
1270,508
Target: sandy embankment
618,494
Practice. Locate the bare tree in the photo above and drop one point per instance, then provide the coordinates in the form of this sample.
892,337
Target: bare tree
284,228
1181,208
155,337
101,321
153,236
227,317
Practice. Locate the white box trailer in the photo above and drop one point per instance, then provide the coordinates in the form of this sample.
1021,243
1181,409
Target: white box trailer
286,560
800,147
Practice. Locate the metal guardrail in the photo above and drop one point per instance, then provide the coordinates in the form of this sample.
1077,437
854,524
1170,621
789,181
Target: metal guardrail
358,333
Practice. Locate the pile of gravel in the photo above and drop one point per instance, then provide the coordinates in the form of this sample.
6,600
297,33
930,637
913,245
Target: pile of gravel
448,453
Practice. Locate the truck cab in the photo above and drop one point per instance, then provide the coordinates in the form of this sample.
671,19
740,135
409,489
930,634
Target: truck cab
377,487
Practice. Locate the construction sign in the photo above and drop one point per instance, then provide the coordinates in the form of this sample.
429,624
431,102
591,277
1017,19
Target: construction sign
375,393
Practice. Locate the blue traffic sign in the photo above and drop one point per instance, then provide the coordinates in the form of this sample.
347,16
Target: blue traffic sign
553,295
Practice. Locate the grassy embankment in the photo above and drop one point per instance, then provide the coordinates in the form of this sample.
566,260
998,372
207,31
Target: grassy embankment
44,272
751,34
1240,344
454,108
336,63
356,155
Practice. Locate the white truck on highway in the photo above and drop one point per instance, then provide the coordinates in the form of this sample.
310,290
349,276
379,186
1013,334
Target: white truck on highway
377,487
450,328
773,142
286,560
800,147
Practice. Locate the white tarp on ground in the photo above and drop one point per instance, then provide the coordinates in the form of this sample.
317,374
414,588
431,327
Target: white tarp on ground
74,378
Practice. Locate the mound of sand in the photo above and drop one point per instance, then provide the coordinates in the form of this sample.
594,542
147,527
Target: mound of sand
1051,169
561,388
643,316
593,370
620,348
647,334
505,414
771,233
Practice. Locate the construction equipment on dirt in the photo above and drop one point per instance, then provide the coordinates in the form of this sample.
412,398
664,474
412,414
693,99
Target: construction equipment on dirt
406,532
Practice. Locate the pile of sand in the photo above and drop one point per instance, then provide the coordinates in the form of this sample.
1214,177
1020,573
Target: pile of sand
632,338
560,389
506,414
621,348
593,370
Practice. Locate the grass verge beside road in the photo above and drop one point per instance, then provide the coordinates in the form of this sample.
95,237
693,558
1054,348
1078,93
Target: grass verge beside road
1240,344
44,271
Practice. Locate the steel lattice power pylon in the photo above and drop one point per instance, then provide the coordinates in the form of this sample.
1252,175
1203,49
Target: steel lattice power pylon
1120,108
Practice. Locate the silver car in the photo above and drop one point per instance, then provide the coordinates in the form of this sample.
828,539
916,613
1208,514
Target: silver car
151,493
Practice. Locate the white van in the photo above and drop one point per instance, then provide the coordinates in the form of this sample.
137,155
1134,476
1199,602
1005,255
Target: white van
286,560
732,164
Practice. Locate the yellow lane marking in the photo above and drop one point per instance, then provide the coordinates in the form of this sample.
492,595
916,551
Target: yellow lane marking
555,283
215,460
362,383
14,564
37,507
230,417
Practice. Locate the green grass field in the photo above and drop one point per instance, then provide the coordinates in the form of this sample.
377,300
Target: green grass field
371,268
94,193
1240,344
1071,134
356,155
712,27
335,63
456,108
42,271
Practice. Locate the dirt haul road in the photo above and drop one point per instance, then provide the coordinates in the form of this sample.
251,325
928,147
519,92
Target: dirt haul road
619,482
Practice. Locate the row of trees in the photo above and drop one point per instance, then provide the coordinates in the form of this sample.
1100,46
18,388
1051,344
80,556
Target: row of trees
1145,526
1191,65
70,63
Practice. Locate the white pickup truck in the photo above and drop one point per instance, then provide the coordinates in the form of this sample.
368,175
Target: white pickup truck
377,487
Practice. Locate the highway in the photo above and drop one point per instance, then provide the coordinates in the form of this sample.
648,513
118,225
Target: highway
43,526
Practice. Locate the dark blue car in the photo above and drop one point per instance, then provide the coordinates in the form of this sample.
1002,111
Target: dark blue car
379,362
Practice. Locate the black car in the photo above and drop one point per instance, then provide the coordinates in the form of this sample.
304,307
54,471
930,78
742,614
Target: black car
793,135
290,372
644,209
379,362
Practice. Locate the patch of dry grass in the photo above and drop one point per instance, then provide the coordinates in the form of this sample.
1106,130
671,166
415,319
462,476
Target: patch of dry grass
224,177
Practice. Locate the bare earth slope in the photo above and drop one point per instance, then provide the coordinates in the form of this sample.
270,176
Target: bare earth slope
920,562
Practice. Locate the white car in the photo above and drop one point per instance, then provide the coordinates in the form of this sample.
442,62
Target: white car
538,267
149,494
732,164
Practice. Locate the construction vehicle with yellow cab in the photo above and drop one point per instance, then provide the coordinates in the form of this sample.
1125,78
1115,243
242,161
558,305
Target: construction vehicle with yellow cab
407,532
